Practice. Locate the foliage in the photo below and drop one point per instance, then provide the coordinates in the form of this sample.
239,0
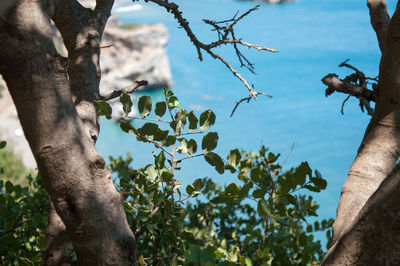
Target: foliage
11,166
258,220
23,219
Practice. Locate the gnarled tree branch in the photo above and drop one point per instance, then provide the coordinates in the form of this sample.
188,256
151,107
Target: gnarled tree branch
354,84
226,35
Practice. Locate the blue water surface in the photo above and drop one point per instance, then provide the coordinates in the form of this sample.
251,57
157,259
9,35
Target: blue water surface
313,37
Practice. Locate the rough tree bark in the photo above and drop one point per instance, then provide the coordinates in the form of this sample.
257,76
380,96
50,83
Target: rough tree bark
55,107
366,231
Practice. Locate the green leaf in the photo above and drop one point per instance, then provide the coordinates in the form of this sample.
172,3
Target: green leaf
173,102
214,160
166,176
126,126
207,119
232,189
179,121
3,144
319,182
230,168
259,193
190,189
170,140
103,108
182,149
159,160
160,135
198,184
223,198
210,141
305,169
148,129
292,199
234,253
9,187
191,146
221,253
263,209
151,173
25,261
144,105
311,188
160,109
207,256
316,226
193,121
126,102
194,253
234,157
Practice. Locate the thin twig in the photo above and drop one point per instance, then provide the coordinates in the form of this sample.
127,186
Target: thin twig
225,34
188,157
147,119
106,46
191,133
129,89
248,100
344,102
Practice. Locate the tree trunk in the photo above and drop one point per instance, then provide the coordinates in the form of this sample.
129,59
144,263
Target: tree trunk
366,228
61,135
58,250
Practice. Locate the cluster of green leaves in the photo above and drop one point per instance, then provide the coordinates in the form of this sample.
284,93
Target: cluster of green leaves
258,220
261,218
23,218
181,125
154,198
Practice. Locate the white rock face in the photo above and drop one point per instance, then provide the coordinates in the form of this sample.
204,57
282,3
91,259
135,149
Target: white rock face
11,130
138,53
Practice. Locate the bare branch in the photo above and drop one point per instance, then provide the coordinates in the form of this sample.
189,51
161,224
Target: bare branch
226,35
335,84
247,99
129,89
106,46
354,84
188,157
344,102
344,64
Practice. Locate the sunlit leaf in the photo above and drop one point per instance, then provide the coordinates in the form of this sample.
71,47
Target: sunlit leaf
126,102
103,108
207,119
144,105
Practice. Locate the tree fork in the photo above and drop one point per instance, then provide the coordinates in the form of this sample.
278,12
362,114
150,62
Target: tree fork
365,231
74,173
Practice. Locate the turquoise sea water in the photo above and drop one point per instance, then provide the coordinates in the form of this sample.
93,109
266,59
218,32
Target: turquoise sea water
313,37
